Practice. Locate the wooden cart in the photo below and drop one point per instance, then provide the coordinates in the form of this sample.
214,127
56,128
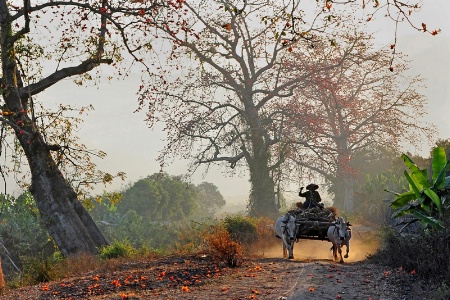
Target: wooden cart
313,229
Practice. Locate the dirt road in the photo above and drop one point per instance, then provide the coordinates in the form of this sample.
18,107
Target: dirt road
316,276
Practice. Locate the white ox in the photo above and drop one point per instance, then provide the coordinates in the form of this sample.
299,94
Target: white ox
286,229
339,235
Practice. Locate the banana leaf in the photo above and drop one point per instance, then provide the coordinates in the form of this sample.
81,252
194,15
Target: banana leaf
441,180
435,198
414,186
406,210
420,176
438,164
427,219
403,199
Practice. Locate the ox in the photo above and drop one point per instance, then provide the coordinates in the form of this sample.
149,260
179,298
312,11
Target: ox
286,229
339,235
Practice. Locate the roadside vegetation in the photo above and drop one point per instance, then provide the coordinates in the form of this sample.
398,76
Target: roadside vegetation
425,206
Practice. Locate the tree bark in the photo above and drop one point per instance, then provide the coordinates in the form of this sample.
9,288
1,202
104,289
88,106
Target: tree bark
65,218
262,196
344,173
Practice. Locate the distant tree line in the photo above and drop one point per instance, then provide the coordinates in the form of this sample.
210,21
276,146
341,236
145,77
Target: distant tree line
161,198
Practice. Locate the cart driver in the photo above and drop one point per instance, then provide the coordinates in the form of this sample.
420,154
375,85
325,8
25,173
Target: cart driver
312,196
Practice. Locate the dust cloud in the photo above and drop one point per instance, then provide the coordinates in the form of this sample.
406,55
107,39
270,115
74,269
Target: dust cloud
364,241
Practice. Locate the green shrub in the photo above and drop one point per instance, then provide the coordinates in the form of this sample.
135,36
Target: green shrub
36,270
117,249
22,233
141,232
242,229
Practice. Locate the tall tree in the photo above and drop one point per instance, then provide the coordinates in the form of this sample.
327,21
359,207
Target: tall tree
160,197
41,44
365,102
231,74
209,199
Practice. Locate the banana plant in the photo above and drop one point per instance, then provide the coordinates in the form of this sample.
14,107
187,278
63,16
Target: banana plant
428,198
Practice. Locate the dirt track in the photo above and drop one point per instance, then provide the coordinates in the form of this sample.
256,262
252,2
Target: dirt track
316,276
364,241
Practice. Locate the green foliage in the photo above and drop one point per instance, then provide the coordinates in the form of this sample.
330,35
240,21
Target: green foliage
117,249
427,198
445,144
100,206
160,197
372,205
22,232
158,237
209,199
368,164
36,270
141,232
242,229
154,211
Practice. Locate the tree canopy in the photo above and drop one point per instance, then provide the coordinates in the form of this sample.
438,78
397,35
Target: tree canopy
310,92
231,110
358,105
162,198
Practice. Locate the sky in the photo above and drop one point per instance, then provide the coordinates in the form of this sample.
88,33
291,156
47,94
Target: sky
132,147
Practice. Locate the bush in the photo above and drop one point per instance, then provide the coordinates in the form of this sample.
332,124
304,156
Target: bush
426,254
117,249
36,270
22,234
241,229
266,236
223,248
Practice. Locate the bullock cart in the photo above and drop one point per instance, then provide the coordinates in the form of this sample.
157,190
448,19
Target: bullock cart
313,224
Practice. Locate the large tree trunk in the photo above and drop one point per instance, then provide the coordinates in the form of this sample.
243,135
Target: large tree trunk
343,191
338,191
262,196
66,220
344,175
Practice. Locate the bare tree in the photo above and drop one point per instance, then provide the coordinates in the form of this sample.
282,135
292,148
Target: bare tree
234,75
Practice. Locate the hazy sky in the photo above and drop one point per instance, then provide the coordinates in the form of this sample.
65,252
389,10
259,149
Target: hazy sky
132,147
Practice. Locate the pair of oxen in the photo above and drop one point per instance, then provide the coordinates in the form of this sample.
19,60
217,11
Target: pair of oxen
338,233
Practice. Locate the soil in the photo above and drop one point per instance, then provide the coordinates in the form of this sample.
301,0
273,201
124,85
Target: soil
311,275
